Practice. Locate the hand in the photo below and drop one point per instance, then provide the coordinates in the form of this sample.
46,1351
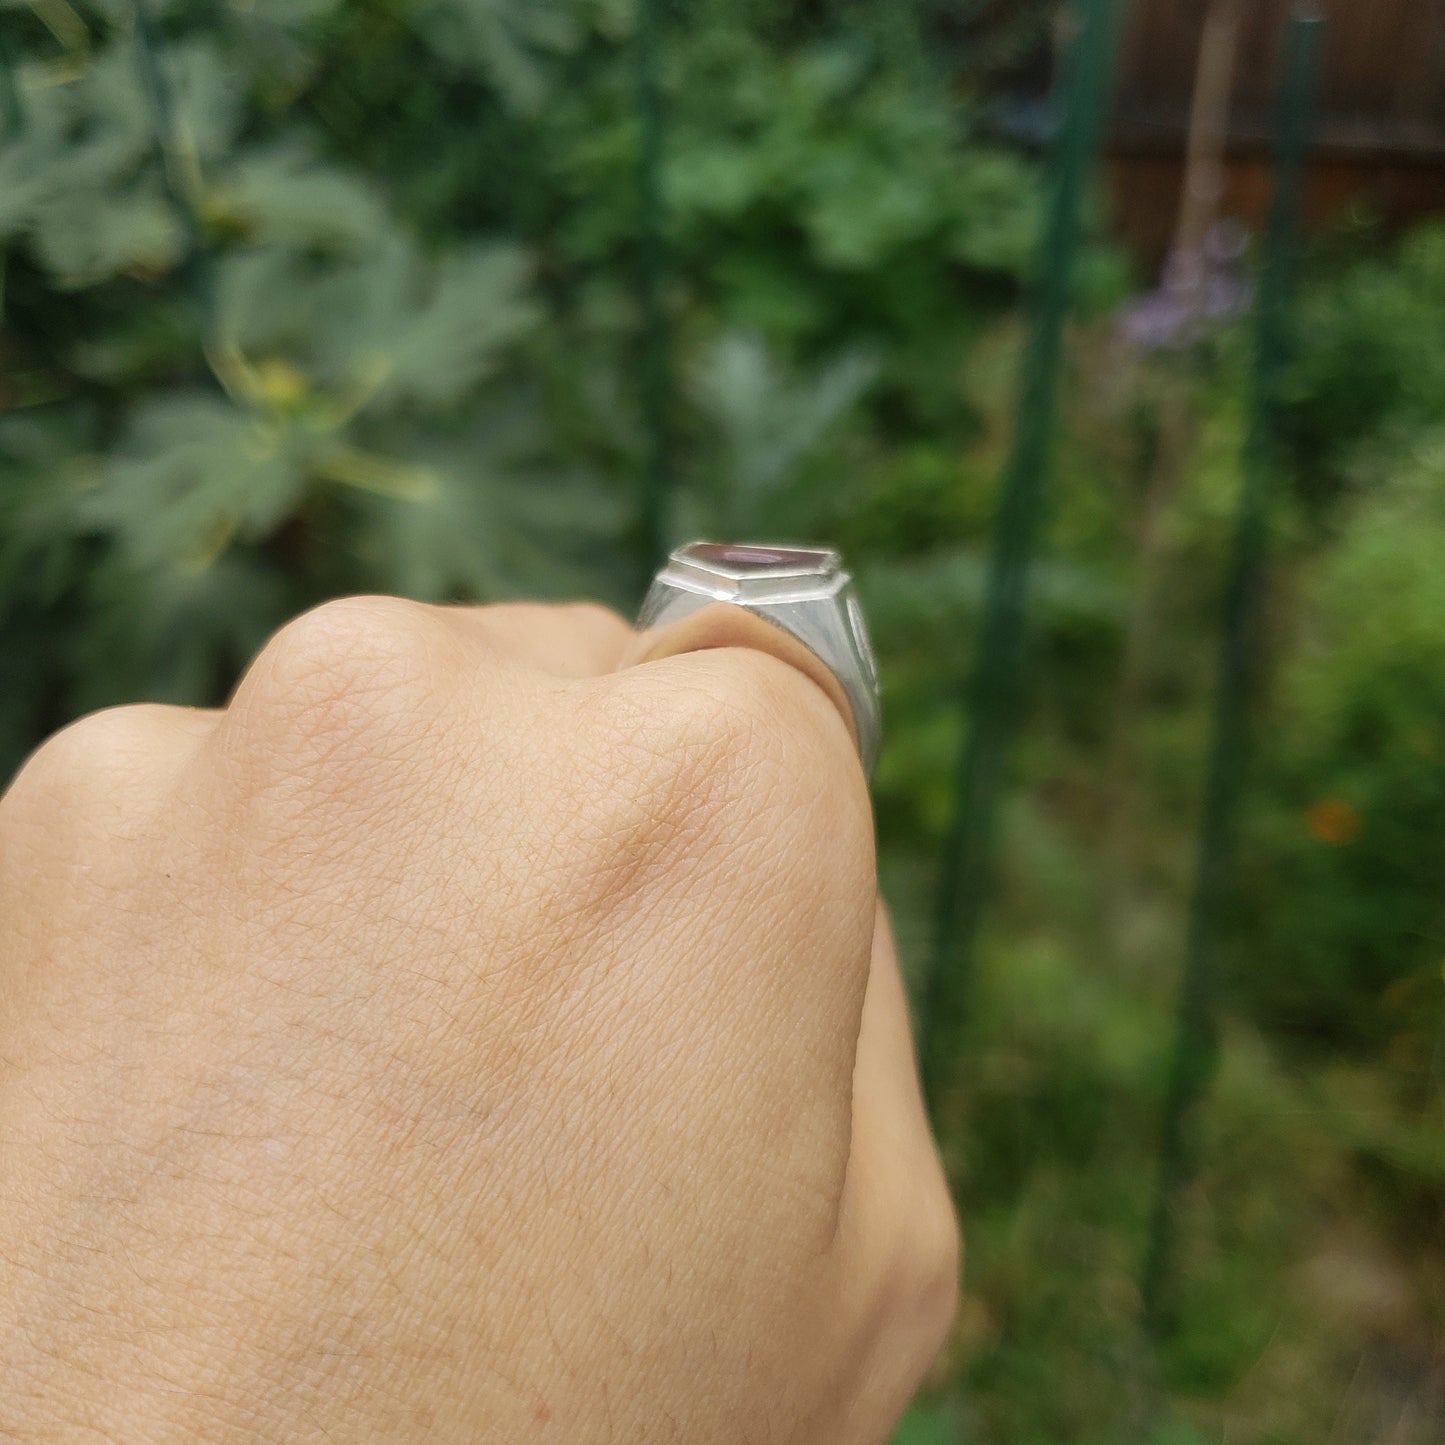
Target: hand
454,1038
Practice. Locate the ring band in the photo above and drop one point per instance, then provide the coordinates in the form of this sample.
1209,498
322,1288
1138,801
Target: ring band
795,602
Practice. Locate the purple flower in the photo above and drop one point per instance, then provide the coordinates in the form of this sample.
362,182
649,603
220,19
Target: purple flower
1198,291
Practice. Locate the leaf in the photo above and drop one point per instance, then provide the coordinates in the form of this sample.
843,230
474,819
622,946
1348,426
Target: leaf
44,478
141,235
284,195
25,179
263,301
85,179
496,520
717,177
80,136
298,12
193,472
207,100
998,212
506,40
165,633
863,208
428,331
111,131
767,420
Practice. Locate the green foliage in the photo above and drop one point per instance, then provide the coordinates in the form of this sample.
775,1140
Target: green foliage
307,351
1345,836
1351,848
923,1426
369,323
311,401
765,425
1371,370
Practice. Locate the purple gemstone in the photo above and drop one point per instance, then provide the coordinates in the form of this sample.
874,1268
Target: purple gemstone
739,555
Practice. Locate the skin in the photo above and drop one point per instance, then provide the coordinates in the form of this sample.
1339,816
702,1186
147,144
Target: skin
455,1038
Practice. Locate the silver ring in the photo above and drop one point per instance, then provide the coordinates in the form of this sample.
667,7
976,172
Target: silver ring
804,592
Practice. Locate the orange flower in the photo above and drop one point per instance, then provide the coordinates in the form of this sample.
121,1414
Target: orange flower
1334,821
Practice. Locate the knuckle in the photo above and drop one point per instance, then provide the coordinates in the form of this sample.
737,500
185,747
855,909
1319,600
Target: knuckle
578,639
743,705
674,742
673,754
781,750
341,672
778,695
723,713
732,749
781,724
84,758
593,616
701,740
605,633
344,642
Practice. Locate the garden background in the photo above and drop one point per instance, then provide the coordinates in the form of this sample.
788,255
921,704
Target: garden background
304,297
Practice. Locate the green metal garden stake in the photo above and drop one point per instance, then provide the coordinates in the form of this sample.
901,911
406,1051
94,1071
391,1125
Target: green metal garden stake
993,686
1193,1056
656,347
11,113
196,266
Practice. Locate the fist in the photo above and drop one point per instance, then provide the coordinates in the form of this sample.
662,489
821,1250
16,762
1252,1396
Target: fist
457,1038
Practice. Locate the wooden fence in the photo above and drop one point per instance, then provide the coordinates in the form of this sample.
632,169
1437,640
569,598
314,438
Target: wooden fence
1380,138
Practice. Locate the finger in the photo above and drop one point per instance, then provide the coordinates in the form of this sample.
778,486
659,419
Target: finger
890,1122
81,793
572,640
761,848
722,627
898,1239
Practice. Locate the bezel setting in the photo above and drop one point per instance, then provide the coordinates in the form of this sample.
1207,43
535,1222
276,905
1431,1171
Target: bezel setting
805,591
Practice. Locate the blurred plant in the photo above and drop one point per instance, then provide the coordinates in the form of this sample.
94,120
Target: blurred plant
1348,817
1371,369
1342,898
261,347
766,424
213,424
